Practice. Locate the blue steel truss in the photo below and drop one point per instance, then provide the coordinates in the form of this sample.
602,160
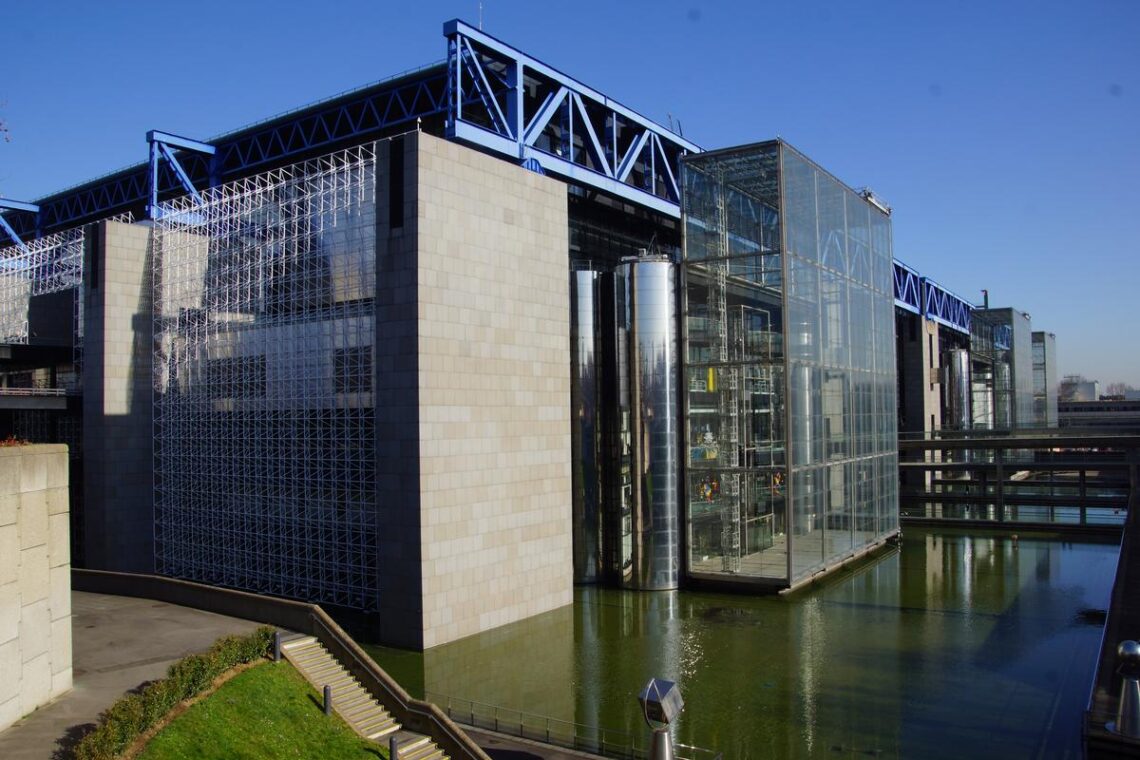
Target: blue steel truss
9,205
162,146
945,308
908,288
925,297
504,101
350,118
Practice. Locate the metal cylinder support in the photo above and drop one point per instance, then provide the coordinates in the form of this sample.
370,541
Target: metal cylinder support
586,375
650,547
957,390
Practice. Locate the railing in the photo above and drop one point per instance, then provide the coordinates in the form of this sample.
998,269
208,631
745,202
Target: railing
1048,478
607,742
1123,622
33,391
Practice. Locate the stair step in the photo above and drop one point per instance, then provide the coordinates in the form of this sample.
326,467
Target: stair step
429,752
359,697
380,733
301,641
377,720
361,712
408,745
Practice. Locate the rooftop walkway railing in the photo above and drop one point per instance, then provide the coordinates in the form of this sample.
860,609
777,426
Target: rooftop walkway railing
1054,478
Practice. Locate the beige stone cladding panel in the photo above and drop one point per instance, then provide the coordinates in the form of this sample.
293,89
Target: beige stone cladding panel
35,580
494,391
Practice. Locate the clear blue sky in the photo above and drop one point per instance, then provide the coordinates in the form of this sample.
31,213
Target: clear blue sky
1006,135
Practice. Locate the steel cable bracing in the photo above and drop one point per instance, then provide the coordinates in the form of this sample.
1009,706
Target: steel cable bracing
264,425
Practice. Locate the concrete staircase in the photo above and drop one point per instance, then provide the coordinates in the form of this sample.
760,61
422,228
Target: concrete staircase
353,702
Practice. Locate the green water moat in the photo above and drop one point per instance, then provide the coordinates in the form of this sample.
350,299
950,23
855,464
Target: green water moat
952,645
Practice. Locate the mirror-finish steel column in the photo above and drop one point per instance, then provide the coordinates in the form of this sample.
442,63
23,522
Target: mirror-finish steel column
585,422
651,553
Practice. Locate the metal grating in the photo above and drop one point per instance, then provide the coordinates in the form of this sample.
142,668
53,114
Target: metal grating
43,266
263,408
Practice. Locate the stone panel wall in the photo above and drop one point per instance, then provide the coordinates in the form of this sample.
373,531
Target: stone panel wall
35,579
494,391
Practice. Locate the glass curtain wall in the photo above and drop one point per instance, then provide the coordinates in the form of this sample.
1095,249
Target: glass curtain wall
1045,379
790,375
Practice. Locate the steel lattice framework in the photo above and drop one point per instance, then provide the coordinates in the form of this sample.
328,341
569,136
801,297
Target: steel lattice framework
36,268
263,407
351,118
512,104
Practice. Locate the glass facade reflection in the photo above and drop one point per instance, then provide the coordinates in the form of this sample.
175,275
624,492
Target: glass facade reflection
790,408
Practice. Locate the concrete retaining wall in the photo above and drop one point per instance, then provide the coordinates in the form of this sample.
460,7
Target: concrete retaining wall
35,579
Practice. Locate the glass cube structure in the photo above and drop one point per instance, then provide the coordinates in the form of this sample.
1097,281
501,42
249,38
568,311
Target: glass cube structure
789,378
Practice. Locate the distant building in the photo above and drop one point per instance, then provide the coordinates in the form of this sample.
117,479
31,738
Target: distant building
1045,379
1121,415
1077,388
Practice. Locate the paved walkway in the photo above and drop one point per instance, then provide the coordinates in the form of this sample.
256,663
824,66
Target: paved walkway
118,643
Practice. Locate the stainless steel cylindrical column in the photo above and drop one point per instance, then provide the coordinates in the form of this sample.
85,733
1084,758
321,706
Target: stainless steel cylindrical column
651,549
585,424
958,389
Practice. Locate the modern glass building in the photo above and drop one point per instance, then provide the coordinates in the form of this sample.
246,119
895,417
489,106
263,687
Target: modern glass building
1013,368
789,380
1045,379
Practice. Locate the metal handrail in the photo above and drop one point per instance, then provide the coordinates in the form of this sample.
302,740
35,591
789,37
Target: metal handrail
33,391
608,742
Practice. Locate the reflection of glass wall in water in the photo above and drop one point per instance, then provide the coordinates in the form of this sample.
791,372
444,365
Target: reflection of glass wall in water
780,254
585,387
650,539
974,637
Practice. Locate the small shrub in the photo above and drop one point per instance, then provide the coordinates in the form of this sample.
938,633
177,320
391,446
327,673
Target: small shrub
132,715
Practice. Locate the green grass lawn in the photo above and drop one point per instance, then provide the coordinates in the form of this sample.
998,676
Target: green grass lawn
268,711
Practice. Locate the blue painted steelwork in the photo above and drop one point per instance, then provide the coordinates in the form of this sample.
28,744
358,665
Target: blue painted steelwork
908,288
945,308
506,102
1003,337
10,205
351,117
162,145
925,297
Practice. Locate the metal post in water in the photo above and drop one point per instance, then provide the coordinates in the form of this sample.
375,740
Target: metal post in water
1127,721
328,700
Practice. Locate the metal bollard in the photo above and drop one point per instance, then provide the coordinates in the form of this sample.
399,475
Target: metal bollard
277,646
393,748
328,700
1127,721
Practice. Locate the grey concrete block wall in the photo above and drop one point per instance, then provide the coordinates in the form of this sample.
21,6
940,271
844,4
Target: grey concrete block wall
118,434
494,391
35,579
